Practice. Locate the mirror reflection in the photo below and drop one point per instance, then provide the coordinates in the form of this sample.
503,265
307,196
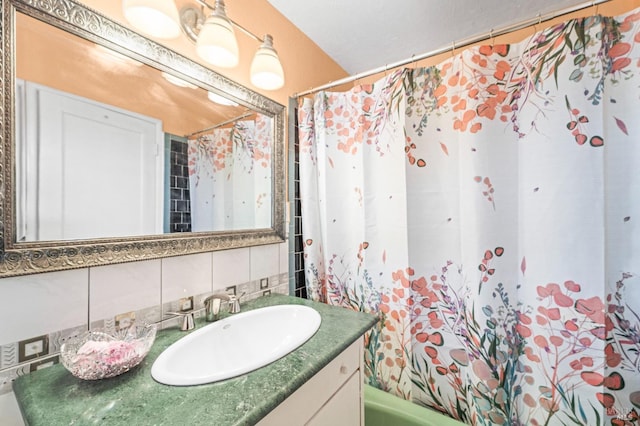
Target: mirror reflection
109,147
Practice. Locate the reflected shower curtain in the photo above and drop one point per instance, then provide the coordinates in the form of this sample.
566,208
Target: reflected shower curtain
487,210
230,177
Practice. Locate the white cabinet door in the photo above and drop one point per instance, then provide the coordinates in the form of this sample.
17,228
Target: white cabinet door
334,392
79,158
343,408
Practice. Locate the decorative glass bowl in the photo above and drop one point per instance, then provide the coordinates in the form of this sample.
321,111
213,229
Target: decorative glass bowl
97,354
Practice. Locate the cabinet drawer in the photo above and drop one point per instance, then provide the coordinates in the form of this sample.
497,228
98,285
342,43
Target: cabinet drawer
313,395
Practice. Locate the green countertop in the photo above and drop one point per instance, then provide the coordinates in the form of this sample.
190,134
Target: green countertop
52,396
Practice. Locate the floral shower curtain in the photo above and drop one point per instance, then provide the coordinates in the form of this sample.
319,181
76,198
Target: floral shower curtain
230,176
486,208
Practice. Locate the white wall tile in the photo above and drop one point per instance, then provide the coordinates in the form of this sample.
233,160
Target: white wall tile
33,305
184,276
284,258
265,261
231,267
116,289
9,411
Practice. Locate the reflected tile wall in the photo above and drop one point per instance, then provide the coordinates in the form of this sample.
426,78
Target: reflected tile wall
180,200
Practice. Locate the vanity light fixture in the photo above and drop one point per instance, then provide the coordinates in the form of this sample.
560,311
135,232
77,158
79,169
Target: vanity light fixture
213,35
157,18
177,81
112,55
216,41
213,97
220,100
266,71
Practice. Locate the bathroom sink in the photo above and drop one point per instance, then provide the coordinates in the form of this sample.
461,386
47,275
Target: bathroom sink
235,345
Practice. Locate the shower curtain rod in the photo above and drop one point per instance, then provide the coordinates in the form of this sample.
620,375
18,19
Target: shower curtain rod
215,126
455,45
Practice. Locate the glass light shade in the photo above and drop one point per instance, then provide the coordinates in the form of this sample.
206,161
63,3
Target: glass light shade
217,42
178,81
220,100
157,18
111,55
266,70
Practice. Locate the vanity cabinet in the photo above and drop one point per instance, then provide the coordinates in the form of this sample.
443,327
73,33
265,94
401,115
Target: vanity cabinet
320,384
333,396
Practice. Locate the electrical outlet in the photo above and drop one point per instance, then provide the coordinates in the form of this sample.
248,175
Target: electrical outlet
264,283
125,320
186,304
231,290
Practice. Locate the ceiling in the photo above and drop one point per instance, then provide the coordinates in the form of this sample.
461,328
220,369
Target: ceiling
364,34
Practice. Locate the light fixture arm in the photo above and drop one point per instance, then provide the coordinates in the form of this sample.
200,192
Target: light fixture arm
246,31
192,31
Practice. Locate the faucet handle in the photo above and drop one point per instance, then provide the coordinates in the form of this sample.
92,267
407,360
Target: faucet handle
234,303
188,321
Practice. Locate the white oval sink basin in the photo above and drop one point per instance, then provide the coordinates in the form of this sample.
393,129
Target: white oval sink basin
236,345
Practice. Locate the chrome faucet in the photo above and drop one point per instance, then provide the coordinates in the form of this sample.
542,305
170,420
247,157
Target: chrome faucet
212,306
213,303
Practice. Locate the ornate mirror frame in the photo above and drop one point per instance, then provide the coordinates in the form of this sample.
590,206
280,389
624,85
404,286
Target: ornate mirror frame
35,257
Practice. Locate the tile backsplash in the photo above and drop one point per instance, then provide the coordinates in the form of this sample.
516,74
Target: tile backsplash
40,312
33,305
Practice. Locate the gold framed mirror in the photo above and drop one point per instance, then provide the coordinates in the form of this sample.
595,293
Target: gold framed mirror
62,210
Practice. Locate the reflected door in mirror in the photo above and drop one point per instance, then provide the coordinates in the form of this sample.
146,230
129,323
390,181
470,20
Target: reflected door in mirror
90,170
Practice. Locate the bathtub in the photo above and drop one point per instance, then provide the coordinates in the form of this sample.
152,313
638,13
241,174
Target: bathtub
383,409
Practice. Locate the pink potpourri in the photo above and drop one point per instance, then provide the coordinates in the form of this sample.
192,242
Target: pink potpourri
98,355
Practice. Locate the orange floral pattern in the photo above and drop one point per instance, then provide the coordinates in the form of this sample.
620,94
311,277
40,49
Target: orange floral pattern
486,83
240,154
213,152
475,208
